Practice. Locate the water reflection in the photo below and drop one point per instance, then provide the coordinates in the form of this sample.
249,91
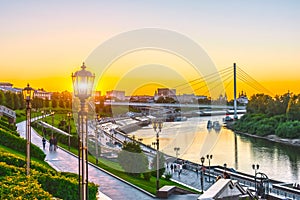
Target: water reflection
278,161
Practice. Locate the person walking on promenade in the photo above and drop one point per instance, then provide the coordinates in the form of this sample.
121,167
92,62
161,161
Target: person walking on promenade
180,169
55,143
51,143
171,168
44,143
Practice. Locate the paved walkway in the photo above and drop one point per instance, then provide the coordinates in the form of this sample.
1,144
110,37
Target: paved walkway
192,179
62,161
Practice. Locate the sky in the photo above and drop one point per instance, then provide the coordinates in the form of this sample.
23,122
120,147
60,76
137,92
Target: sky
43,42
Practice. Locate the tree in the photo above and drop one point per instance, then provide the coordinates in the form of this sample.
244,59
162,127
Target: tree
259,103
47,103
9,100
161,163
54,103
61,103
132,159
22,101
16,100
2,98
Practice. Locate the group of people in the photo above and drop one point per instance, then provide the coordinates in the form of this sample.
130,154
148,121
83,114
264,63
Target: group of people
53,143
175,168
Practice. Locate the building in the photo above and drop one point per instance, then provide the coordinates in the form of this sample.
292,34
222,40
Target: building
165,92
116,95
42,94
243,99
5,85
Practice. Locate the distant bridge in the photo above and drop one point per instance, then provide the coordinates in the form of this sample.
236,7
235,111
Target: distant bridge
168,105
8,113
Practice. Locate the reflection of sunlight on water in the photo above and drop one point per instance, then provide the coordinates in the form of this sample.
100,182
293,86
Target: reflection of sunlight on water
191,136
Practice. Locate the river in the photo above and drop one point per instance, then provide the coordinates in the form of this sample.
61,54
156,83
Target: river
278,161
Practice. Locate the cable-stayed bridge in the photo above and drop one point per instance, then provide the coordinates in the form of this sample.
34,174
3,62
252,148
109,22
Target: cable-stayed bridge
224,82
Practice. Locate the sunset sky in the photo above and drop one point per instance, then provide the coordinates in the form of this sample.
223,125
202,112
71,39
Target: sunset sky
43,42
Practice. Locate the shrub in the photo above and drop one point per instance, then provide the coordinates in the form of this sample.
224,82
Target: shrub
19,144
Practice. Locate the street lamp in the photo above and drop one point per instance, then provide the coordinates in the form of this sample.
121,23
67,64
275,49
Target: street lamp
96,135
202,159
157,126
83,82
69,115
42,112
28,94
255,168
209,157
176,149
225,166
154,144
52,113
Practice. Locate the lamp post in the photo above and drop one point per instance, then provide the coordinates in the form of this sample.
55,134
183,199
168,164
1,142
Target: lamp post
42,112
83,82
154,144
176,149
255,168
69,115
96,135
157,126
28,94
202,159
52,113
209,157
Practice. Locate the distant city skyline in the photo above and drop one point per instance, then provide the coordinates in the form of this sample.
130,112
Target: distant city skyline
44,42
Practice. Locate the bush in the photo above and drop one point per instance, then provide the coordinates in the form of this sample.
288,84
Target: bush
147,176
168,176
64,187
289,129
19,144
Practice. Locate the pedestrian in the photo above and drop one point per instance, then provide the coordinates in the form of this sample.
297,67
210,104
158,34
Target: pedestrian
51,143
171,168
180,170
44,143
175,166
55,143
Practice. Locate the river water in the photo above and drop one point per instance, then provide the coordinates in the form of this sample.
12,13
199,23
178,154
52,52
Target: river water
278,161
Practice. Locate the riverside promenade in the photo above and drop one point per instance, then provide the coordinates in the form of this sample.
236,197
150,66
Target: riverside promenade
109,186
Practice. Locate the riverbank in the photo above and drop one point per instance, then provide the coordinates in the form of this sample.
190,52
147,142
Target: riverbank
273,138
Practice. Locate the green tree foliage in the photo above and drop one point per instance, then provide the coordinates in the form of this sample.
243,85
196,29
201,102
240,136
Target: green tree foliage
17,101
47,103
259,103
22,101
9,102
266,116
132,159
61,103
161,163
63,125
2,98
289,129
54,103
